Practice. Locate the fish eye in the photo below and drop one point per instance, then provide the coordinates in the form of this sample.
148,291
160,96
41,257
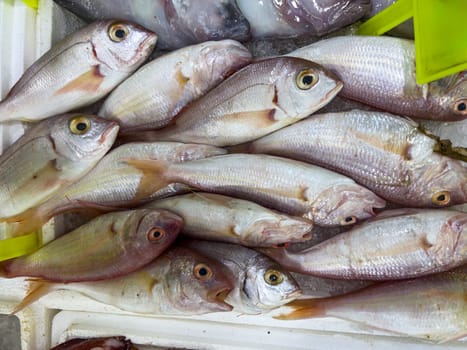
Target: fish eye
349,220
80,125
441,198
306,79
202,272
461,107
273,277
156,234
118,32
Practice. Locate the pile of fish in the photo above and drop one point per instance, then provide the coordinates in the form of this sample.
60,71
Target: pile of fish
205,172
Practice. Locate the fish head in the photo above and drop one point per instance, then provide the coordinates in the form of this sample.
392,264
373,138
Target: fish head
448,96
267,285
121,46
302,87
196,282
345,204
79,137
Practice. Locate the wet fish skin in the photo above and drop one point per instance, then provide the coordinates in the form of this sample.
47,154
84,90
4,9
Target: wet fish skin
78,71
108,246
455,131
170,285
154,94
300,18
113,183
49,156
220,218
386,153
250,273
432,308
380,71
109,343
295,188
258,99
396,244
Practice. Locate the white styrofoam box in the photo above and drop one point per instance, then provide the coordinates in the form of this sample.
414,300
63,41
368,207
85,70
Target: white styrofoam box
26,34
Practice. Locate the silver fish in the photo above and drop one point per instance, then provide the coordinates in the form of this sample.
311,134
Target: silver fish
455,132
432,308
260,284
396,244
113,183
179,282
178,23
386,153
152,96
79,70
380,71
258,99
221,218
51,155
296,188
300,18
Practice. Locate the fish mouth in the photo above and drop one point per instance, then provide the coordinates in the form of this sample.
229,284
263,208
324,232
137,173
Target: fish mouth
110,133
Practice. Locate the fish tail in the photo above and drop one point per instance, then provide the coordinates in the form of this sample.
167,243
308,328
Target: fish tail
302,309
155,175
36,290
26,222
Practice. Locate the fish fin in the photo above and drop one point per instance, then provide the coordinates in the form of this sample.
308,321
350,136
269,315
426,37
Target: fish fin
154,176
26,222
36,290
88,82
96,208
302,309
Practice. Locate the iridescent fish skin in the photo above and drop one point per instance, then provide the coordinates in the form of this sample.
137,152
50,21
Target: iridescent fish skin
260,284
388,154
154,94
79,70
50,156
396,244
108,246
380,71
220,218
432,308
260,98
295,188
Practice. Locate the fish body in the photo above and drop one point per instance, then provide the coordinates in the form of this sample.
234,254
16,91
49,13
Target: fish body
300,18
432,308
259,283
256,100
295,188
109,246
79,70
113,183
220,218
380,71
396,244
388,154
178,23
109,343
455,132
154,94
49,156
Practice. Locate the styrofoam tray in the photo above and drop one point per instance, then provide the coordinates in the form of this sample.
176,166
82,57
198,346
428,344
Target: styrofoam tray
26,34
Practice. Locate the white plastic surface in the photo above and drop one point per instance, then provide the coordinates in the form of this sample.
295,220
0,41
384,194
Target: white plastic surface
62,315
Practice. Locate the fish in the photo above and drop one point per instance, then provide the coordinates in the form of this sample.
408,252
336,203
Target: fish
296,188
396,244
79,70
220,218
108,246
431,308
258,99
156,92
390,155
51,155
113,183
178,23
380,71
452,132
178,282
260,284
300,18
104,343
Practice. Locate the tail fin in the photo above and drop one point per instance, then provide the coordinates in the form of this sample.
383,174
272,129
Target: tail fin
26,222
302,309
37,289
